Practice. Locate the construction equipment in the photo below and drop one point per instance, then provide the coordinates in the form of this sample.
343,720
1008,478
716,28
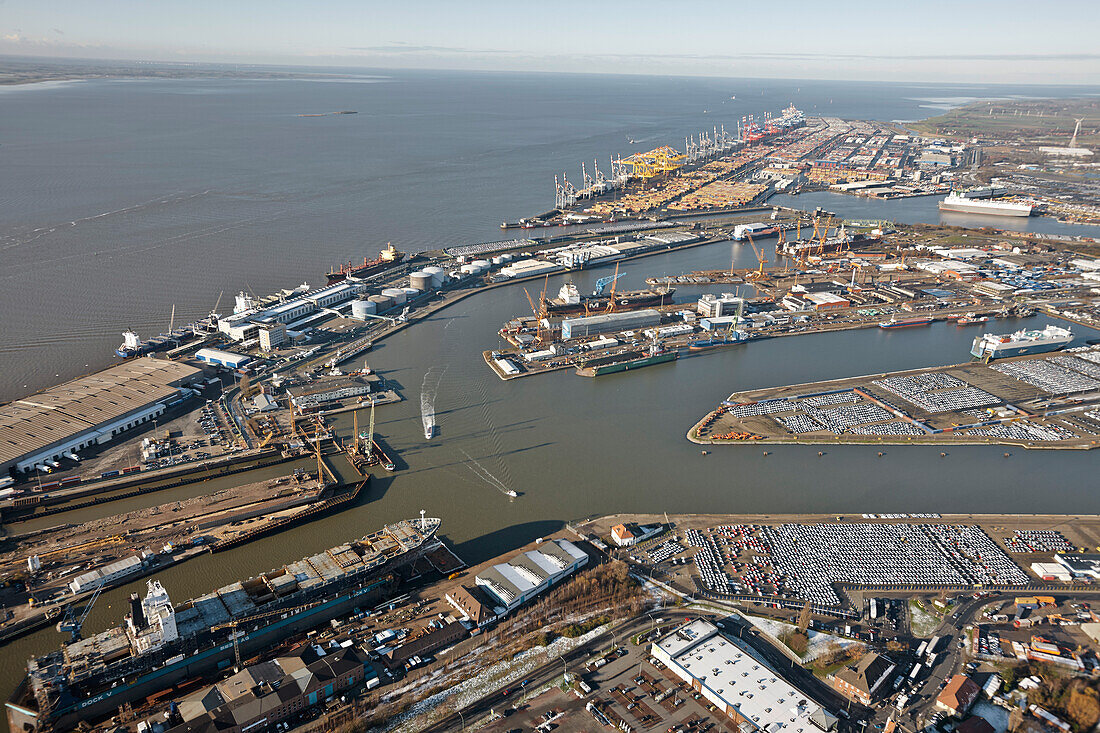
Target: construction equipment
235,623
759,273
113,540
75,625
539,313
603,282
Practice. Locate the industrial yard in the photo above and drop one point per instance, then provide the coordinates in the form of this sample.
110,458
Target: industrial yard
1030,402
263,386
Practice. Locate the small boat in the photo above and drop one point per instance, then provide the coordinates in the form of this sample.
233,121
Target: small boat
971,320
429,431
511,493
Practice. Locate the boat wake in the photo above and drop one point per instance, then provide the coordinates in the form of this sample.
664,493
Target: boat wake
483,473
427,401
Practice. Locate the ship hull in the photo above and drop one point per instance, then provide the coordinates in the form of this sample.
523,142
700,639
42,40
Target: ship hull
335,277
987,210
1019,350
622,301
905,324
207,660
624,366
96,693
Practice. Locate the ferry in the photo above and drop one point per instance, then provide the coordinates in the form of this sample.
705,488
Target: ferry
1020,343
906,322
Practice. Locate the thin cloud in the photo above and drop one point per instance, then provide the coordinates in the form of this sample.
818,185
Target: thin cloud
400,47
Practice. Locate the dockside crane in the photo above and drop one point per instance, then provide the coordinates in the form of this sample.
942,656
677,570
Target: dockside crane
611,298
75,625
539,312
603,282
759,273
235,623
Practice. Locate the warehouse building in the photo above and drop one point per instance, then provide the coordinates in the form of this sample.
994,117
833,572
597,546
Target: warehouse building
574,328
734,678
91,410
528,574
226,359
106,575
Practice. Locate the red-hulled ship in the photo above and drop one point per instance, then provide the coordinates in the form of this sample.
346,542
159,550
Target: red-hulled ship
387,257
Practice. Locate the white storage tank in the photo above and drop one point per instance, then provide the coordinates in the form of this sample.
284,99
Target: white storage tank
422,281
467,270
507,257
482,264
397,295
438,275
411,293
498,260
457,275
361,308
381,302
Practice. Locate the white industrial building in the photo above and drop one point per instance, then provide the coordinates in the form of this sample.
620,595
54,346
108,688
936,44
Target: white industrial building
1080,566
526,268
714,306
222,358
528,574
245,324
107,575
736,680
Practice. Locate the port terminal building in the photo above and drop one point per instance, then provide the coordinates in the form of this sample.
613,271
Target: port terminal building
91,410
738,681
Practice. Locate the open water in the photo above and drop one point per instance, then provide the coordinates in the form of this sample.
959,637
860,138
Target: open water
122,198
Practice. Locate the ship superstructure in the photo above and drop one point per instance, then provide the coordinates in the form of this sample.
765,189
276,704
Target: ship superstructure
160,643
387,257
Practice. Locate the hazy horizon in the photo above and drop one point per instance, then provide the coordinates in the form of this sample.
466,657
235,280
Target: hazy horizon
937,42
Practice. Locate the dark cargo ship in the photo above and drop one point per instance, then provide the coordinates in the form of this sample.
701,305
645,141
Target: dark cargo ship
160,643
570,300
386,258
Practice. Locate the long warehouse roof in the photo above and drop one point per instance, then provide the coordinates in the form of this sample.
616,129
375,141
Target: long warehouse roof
53,415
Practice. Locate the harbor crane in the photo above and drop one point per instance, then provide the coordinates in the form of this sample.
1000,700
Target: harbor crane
75,625
758,274
539,312
611,299
603,282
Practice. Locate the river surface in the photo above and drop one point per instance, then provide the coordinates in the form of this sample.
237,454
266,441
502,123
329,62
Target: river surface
215,185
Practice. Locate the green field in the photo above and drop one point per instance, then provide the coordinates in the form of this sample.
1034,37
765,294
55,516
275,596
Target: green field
1036,121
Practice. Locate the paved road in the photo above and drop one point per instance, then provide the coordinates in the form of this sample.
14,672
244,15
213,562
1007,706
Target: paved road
799,677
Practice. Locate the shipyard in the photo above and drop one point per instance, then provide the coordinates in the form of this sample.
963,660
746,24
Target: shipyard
245,425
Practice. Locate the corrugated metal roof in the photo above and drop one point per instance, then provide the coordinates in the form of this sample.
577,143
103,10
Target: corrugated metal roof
58,414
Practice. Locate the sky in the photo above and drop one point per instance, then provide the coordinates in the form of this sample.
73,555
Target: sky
973,41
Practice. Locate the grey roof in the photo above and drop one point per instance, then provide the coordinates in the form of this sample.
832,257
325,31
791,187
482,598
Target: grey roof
499,586
61,413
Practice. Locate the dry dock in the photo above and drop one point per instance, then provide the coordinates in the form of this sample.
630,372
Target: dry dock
1044,401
